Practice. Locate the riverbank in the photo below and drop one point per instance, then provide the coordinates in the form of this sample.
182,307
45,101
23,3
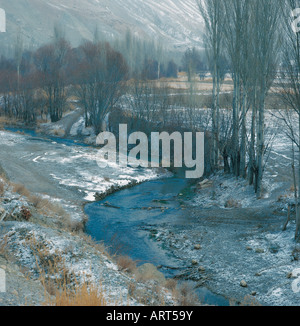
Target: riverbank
38,252
40,225
238,253
228,241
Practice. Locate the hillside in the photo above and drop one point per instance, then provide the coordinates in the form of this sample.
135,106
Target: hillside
176,22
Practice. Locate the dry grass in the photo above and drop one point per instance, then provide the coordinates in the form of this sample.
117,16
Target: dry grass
62,287
75,226
46,207
85,295
2,189
54,210
3,247
186,295
6,121
36,201
126,264
49,263
20,189
171,284
131,288
58,132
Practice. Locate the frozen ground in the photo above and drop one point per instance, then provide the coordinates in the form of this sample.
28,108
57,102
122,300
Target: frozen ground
63,172
240,237
29,247
236,245
32,245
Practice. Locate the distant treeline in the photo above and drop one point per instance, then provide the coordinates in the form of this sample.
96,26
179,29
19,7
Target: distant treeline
37,83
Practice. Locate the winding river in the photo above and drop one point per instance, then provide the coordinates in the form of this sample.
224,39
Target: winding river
65,170
122,220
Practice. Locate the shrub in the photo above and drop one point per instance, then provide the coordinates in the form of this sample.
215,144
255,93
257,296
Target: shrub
171,284
187,296
21,190
25,213
126,264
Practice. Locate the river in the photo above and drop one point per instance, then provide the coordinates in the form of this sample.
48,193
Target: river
142,222
51,166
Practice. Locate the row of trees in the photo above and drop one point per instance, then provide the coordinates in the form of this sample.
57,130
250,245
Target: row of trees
257,39
193,63
147,59
246,33
152,70
290,90
38,83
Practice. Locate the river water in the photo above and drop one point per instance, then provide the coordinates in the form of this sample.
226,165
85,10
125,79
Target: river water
123,219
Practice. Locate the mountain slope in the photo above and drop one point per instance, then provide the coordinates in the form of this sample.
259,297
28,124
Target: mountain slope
177,23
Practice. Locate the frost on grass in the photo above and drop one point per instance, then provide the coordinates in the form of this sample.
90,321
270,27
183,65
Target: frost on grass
64,259
225,192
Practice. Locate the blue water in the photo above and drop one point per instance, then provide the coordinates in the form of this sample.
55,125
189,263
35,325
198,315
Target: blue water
118,221
37,136
121,221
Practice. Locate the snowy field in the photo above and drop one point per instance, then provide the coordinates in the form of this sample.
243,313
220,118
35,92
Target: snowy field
65,173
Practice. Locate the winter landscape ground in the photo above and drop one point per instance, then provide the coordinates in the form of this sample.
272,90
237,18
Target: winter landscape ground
179,227
73,232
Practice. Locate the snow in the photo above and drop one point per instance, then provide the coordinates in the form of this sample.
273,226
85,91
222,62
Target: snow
76,166
224,189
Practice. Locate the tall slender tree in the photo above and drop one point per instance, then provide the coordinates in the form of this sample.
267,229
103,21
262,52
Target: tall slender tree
212,12
290,88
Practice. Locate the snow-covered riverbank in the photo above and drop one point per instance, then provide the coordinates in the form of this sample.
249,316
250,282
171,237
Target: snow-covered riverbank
64,176
227,239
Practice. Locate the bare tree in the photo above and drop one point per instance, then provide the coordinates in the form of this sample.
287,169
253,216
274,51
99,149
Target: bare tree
18,53
290,89
237,12
101,78
213,14
51,61
267,14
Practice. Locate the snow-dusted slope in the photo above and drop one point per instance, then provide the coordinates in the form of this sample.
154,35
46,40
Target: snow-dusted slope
176,22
